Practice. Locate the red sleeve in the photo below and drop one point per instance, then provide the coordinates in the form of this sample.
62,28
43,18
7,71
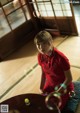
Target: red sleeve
43,79
65,63
39,59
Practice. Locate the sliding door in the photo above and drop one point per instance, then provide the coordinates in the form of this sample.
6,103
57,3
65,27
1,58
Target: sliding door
55,14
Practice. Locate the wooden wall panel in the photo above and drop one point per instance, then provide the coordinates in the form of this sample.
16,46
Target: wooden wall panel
67,26
64,25
17,38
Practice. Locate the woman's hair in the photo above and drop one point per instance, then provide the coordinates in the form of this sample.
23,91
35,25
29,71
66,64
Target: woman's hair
43,36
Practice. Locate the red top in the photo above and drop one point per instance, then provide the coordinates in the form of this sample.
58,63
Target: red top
53,67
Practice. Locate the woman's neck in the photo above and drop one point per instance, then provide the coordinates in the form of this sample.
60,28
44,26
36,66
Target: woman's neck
50,52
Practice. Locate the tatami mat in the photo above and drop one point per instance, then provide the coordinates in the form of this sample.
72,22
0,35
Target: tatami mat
30,84
14,67
75,73
71,48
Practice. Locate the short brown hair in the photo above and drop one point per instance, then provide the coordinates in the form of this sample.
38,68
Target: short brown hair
42,36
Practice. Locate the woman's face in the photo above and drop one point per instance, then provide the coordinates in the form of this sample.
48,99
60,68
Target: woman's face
44,47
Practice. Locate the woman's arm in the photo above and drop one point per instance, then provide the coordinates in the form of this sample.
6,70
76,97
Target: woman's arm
68,79
43,79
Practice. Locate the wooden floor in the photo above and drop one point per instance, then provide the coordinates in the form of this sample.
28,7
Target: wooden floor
19,73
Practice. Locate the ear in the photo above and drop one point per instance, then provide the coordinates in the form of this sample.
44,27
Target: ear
51,42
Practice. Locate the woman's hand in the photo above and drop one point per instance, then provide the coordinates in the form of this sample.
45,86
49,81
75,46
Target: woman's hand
62,91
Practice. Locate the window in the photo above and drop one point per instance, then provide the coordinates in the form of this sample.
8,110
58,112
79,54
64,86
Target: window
49,8
62,7
13,13
4,27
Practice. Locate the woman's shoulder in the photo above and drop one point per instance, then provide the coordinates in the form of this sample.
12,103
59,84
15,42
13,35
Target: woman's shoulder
39,55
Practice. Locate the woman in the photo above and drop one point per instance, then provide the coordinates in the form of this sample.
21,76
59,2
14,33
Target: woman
56,74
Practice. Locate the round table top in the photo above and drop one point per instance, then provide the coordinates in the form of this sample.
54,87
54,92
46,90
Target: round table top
37,104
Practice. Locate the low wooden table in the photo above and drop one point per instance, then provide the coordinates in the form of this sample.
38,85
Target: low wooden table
37,104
